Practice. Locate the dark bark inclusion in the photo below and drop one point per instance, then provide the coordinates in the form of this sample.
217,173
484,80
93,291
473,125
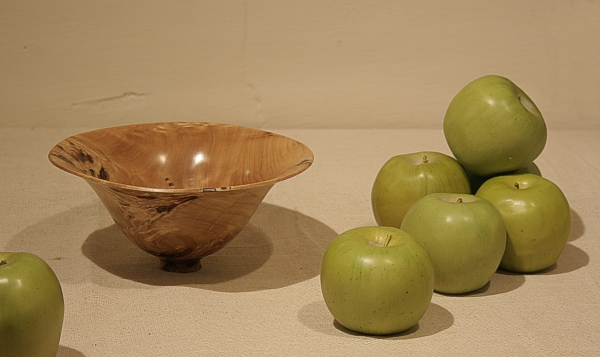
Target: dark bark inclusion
82,156
169,208
63,158
103,175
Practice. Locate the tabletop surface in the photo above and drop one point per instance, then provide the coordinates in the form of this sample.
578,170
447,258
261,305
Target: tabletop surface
261,294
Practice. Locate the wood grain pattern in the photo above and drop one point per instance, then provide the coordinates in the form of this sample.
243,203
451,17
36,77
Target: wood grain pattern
181,191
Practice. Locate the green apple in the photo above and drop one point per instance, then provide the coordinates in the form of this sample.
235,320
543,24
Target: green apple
493,127
477,181
464,236
403,179
31,306
376,280
537,217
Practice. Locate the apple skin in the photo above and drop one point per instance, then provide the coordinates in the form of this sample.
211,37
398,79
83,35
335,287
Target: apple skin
464,236
493,127
373,288
31,306
537,217
405,178
477,181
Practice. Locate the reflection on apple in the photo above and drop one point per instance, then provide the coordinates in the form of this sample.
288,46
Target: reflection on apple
477,181
464,236
537,217
493,127
376,280
405,178
31,306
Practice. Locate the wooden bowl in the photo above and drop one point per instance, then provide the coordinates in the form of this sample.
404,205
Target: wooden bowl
181,191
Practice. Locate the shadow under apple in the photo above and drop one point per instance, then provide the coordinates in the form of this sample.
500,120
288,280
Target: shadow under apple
503,281
317,317
500,283
577,226
572,258
68,352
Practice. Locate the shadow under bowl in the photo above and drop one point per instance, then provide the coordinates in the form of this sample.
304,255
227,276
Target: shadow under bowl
181,191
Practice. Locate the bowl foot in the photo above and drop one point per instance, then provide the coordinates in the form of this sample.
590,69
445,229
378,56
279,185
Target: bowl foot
180,266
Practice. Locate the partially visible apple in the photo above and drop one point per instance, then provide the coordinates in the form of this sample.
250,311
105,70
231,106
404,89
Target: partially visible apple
493,127
464,236
477,181
537,217
376,280
404,179
31,306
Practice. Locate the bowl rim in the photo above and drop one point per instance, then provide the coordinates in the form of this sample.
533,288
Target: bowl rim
301,165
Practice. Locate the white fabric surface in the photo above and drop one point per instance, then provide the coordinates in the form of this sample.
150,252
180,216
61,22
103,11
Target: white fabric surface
261,295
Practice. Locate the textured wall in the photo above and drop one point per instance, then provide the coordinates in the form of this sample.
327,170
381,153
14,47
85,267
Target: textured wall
279,64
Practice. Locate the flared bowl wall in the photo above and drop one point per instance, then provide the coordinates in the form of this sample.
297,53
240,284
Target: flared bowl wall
181,191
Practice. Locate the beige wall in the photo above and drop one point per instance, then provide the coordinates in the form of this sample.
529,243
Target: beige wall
283,64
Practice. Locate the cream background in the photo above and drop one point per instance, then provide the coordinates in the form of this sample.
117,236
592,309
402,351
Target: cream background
260,295
315,71
288,64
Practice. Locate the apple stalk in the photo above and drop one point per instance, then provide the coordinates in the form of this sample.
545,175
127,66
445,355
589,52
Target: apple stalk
385,243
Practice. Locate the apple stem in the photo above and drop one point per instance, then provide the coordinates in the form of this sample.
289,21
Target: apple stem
459,200
387,240
516,185
425,159
3,262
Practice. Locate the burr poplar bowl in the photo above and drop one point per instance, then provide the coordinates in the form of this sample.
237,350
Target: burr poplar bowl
181,191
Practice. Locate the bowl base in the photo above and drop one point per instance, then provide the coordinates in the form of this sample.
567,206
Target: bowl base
180,266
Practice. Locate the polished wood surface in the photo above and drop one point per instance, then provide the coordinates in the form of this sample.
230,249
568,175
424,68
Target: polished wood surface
181,191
